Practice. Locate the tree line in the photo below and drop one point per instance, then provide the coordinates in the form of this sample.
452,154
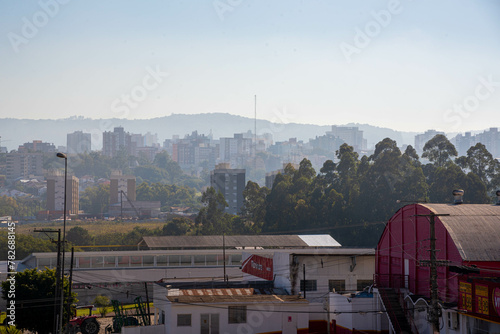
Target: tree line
352,198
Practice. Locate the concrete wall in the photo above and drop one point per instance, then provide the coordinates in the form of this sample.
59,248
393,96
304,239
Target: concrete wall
323,268
351,312
158,329
261,318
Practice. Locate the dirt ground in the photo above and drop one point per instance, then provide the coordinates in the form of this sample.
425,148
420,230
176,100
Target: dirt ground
103,322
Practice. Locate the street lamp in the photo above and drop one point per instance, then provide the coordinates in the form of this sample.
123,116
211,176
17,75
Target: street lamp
65,157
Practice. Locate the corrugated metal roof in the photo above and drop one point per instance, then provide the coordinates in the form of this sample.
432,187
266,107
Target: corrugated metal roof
274,299
319,240
265,241
217,292
230,292
474,228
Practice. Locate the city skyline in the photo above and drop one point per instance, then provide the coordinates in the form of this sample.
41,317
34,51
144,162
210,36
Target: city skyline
410,66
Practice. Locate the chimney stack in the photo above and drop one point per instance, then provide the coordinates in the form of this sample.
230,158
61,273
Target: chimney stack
458,194
498,197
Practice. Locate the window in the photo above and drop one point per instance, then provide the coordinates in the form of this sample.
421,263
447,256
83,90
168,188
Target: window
237,314
308,285
44,263
183,320
453,320
337,284
109,261
363,283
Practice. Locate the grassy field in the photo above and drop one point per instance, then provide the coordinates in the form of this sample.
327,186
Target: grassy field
128,308
93,227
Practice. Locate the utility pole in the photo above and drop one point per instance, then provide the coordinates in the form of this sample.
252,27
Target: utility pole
224,255
255,135
121,206
57,293
434,312
71,278
304,274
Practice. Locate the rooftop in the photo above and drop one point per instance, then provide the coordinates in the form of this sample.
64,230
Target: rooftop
474,228
240,241
225,299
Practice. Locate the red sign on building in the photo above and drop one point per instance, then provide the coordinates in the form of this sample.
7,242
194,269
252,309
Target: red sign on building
258,266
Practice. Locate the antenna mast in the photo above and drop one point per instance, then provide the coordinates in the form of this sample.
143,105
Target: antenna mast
255,134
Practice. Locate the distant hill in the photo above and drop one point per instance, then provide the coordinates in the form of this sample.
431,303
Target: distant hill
15,132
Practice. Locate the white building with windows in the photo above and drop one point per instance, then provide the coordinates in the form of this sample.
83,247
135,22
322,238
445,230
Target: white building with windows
229,310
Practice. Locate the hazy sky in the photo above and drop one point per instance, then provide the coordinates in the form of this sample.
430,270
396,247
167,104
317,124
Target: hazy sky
407,65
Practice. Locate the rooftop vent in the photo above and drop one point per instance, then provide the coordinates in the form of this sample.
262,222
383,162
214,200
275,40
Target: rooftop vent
458,194
498,197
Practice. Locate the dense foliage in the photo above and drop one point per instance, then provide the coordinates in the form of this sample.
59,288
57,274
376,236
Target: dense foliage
162,170
349,197
352,198
34,290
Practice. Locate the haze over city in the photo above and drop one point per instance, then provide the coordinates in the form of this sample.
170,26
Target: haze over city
405,65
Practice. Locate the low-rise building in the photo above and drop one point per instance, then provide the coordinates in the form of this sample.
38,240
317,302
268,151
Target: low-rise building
467,262
229,310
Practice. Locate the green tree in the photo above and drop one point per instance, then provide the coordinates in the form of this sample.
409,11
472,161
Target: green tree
8,206
95,200
254,198
35,295
288,204
411,155
446,179
103,304
480,162
25,245
79,236
151,173
164,161
177,226
211,218
92,163
439,150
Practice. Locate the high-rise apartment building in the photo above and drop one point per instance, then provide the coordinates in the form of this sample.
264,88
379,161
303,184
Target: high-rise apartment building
37,146
231,183
351,135
22,165
464,142
192,150
113,142
232,148
422,139
78,142
55,193
491,140
119,183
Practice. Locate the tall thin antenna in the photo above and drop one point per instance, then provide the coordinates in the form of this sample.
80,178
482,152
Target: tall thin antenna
255,134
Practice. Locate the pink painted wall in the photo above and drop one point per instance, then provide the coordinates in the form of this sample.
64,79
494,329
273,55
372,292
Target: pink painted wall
406,237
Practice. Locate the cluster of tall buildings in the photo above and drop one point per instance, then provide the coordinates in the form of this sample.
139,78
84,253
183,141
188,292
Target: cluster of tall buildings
226,157
489,138
138,145
122,197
